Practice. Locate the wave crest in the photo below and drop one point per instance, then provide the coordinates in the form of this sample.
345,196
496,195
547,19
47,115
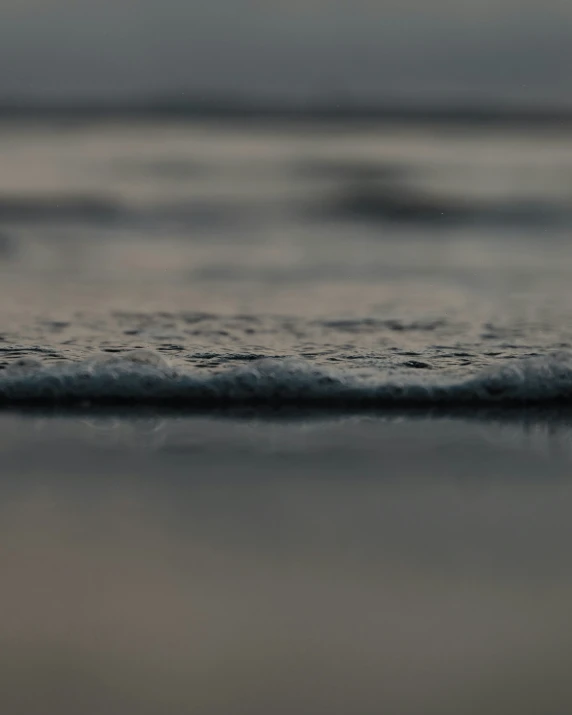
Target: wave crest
144,378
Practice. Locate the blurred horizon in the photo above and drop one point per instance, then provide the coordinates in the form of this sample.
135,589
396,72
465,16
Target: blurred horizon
247,108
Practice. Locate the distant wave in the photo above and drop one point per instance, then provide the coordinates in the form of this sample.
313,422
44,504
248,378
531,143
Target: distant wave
395,204
144,378
69,208
58,208
360,200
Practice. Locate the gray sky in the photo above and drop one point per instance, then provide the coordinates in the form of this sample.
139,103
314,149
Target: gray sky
416,48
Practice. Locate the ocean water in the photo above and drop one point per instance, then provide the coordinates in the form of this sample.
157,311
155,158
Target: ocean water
296,262
286,421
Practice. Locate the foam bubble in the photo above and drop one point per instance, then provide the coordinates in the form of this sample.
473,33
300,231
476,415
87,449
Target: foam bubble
143,378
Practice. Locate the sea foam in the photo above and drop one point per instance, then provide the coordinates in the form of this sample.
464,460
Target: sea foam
145,378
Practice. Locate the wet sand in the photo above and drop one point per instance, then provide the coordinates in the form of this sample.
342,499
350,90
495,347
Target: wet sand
281,563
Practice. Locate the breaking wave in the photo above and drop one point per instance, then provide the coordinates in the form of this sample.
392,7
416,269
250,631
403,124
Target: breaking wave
144,378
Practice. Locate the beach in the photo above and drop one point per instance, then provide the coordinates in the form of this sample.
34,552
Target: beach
285,419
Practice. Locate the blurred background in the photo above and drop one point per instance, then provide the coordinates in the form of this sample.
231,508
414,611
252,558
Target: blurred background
237,149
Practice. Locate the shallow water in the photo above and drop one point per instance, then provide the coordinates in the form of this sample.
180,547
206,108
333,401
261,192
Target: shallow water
285,562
